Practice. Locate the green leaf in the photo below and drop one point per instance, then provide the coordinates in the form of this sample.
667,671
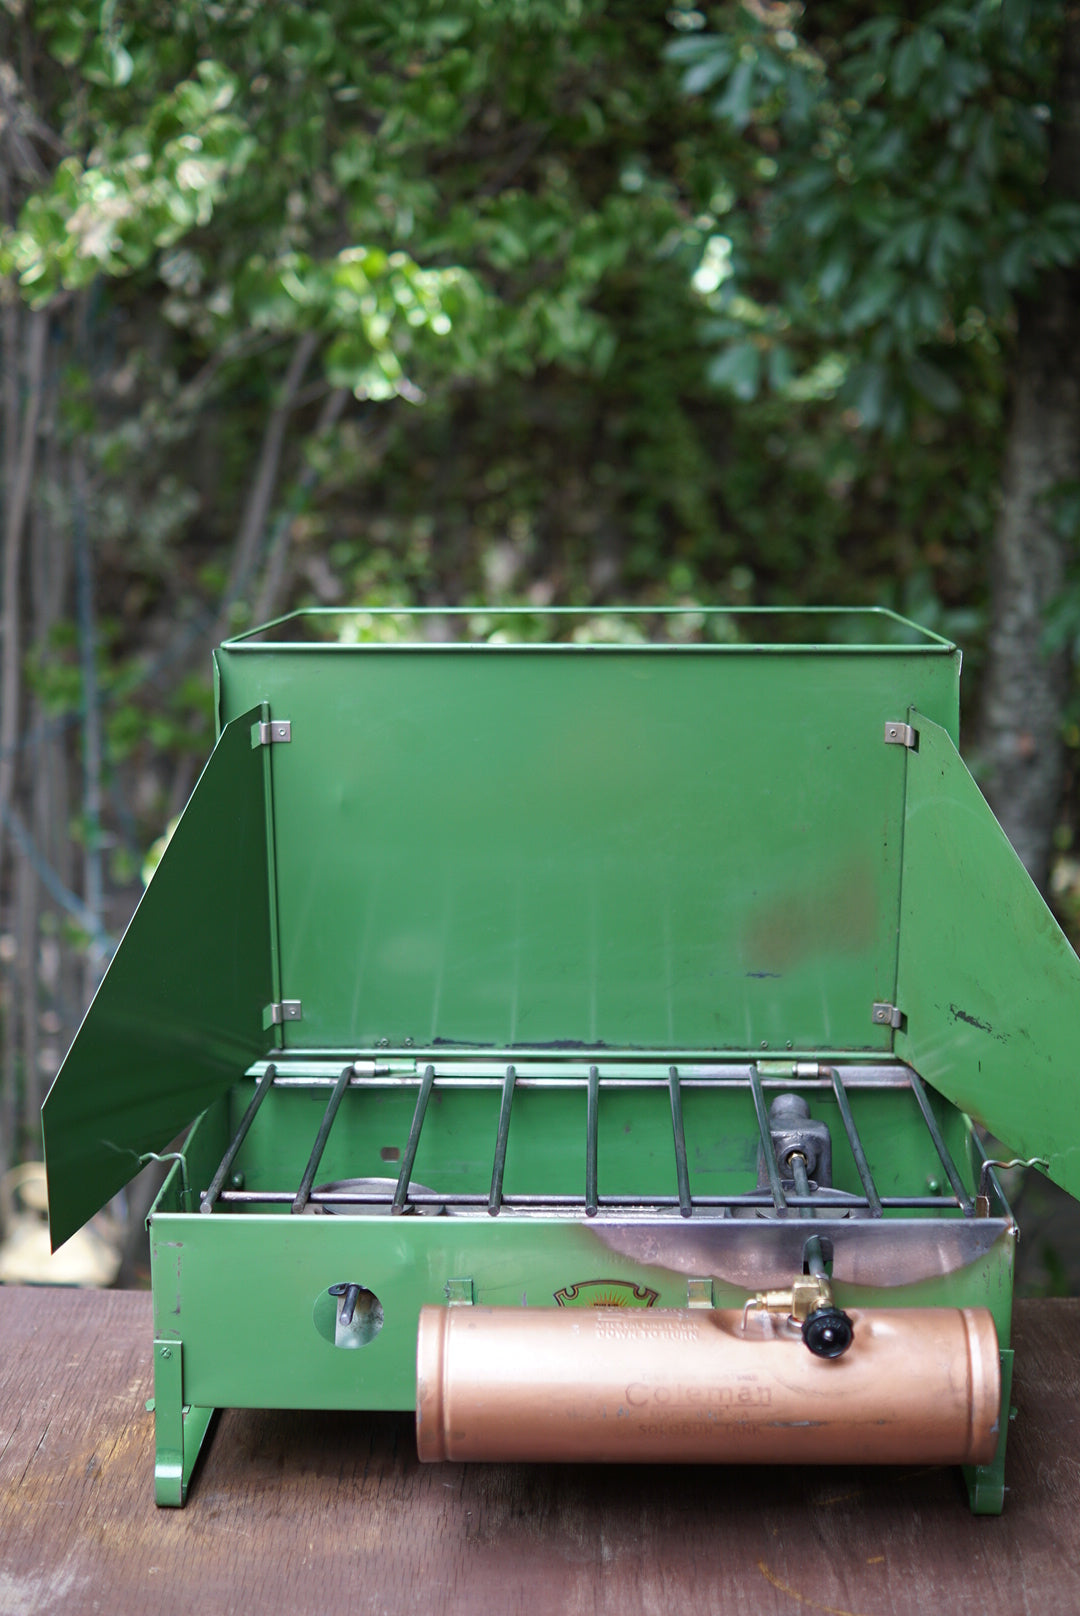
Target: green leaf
949,241
710,64
934,385
736,105
781,368
906,242
884,154
876,33
798,100
866,392
1014,261
876,294
1015,22
694,47
907,65
108,62
820,218
737,370
67,38
834,274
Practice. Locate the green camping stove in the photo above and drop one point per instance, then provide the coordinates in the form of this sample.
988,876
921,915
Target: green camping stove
582,1043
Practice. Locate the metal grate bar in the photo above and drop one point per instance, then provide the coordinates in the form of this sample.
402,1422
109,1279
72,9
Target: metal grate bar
861,1163
303,1194
758,1198
963,1199
499,1166
690,1077
218,1180
401,1193
686,1205
592,1129
776,1188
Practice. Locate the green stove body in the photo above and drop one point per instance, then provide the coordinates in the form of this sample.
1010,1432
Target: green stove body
664,970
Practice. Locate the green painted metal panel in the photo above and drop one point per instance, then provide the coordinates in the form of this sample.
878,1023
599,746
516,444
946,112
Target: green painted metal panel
988,983
647,847
243,1292
179,1012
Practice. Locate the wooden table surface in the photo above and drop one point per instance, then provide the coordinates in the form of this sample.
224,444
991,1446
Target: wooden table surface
325,1513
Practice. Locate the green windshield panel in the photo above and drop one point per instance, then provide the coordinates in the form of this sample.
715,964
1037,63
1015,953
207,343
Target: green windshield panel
988,984
180,1011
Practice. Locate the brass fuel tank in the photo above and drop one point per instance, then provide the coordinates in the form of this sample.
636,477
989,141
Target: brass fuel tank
917,1386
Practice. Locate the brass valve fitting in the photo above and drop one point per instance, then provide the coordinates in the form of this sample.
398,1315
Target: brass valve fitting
804,1296
826,1330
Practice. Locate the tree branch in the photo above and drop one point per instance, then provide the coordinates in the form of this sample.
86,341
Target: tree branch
261,492
266,602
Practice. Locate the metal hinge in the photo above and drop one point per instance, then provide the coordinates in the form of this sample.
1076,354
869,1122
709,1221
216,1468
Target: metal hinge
267,731
897,734
887,1015
287,1010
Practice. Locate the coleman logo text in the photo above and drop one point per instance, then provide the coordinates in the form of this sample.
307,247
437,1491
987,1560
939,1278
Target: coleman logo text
638,1395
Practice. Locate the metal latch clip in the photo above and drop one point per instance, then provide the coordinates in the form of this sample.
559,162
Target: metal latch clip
887,1015
270,731
287,1010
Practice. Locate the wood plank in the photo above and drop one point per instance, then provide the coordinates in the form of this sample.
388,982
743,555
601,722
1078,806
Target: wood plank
312,1513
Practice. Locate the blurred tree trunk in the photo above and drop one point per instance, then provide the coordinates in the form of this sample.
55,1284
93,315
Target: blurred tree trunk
1020,733
23,361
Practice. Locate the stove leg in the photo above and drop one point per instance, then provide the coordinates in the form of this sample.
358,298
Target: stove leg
179,1429
986,1483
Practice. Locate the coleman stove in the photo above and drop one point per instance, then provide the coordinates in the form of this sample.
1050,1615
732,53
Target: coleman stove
581,1043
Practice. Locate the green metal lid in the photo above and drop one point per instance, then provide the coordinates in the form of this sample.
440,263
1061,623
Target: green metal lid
691,845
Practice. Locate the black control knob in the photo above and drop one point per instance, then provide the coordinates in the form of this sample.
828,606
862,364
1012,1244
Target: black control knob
828,1332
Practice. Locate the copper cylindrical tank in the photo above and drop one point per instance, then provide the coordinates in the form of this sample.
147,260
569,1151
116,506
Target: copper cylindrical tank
917,1386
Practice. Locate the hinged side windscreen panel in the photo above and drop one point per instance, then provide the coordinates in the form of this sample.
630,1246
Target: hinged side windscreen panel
179,1013
988,984
633,847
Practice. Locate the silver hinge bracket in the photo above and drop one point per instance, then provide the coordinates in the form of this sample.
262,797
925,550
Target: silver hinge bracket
897,734
287,1010
268,732
887,1015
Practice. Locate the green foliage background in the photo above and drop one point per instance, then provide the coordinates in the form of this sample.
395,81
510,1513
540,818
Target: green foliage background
551,243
